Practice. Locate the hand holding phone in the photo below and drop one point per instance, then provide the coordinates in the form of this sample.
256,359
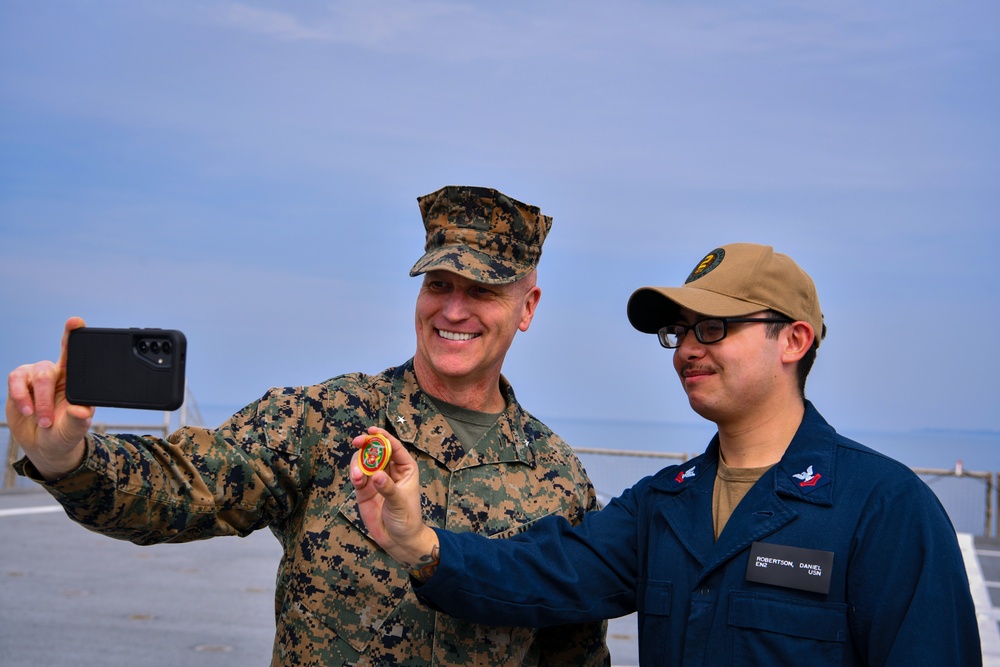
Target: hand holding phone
126,368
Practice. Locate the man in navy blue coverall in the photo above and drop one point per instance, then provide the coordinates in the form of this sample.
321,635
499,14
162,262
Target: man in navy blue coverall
784,543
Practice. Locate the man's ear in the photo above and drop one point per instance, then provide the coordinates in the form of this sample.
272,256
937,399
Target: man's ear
797,337
531,299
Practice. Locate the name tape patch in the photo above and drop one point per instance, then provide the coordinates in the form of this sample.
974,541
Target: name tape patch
791,567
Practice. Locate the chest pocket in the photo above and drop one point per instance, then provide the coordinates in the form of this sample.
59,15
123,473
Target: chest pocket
779,630
343,588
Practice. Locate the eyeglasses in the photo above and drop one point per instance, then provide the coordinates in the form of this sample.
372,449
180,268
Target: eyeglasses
707,331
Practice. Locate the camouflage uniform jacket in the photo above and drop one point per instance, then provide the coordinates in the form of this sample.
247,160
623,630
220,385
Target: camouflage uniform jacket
282,462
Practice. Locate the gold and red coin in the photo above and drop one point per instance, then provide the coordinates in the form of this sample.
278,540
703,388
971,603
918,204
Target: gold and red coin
375,454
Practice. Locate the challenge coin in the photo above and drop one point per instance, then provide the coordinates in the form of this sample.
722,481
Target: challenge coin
375,454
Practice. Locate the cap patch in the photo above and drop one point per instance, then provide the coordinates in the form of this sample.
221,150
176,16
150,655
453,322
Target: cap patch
712,260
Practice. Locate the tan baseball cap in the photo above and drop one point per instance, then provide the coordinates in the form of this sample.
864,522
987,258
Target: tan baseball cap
732,281
481,233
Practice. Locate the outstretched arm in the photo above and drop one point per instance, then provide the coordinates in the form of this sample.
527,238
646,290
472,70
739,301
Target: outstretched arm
551,574
389,502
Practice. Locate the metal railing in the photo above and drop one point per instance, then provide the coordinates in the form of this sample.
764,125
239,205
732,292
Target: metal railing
188,414
957,489
969,497
11,453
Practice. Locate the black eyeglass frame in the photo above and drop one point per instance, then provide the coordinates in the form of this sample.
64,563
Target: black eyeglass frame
681,330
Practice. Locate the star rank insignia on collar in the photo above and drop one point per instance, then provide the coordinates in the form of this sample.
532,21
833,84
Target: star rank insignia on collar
400,420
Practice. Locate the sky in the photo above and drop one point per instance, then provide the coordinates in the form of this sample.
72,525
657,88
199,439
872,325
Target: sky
247,172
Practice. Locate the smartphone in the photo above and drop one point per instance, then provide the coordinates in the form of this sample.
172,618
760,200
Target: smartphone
126,368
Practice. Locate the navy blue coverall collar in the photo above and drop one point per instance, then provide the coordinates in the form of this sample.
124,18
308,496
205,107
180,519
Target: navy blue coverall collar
805,472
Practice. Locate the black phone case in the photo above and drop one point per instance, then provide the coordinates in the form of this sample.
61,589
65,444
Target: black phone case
126,368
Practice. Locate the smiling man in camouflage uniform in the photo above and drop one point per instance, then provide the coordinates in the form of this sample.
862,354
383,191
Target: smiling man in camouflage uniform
282,462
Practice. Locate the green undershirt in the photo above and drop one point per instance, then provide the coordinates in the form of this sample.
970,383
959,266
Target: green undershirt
469,425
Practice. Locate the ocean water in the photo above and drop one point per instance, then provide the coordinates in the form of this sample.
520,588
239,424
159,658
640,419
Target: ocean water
917,449
977,450
965,498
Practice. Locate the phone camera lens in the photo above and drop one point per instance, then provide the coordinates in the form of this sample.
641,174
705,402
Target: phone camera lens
165,347
143,347
154,347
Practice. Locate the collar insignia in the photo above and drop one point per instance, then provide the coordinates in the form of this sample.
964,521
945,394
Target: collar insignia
808,477
685,474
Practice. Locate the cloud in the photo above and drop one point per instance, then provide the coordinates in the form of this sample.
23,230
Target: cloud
580,31
281,25
258,159
442,28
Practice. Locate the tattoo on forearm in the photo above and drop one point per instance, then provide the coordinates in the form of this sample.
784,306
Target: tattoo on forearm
425,568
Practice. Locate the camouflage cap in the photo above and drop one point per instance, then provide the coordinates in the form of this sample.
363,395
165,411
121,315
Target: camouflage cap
481,234
732,281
